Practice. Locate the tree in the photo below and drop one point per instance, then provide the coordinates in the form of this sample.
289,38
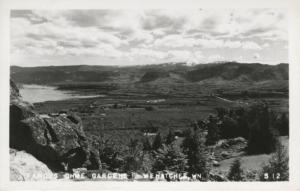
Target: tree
283,124
229,128
169,157
157,143
133,158
235,172
262,136
193,146
110,157
170,137
278,167
221,112
213,133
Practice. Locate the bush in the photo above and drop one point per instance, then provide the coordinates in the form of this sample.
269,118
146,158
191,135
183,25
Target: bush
278,167
235,172
110,158
149,108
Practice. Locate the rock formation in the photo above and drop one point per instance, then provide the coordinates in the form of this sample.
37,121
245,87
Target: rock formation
25,167
59,142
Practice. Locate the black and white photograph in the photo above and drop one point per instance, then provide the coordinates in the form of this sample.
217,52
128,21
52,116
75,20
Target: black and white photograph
150,95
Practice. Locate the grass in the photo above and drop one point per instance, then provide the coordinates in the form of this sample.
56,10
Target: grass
249,163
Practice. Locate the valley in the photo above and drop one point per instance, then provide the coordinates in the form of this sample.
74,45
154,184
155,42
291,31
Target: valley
119,105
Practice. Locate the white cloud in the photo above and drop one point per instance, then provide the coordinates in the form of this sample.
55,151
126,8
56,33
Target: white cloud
177,41
251,46
168,35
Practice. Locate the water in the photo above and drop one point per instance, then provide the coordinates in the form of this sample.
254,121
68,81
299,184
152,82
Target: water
38,93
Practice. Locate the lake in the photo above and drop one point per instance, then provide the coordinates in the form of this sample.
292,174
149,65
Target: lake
37,93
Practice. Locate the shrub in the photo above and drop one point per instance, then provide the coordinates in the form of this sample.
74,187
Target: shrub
110,158
149,108
235,172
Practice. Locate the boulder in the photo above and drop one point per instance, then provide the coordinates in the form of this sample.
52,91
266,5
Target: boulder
237,140
25,167
217,177
59,142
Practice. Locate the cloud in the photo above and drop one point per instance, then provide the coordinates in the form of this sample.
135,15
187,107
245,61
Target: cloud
251,46
176,41
256,56
153,35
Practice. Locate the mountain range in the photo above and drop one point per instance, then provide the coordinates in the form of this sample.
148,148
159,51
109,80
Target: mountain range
84,73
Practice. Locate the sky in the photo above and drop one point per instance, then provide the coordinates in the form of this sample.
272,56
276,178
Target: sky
150,36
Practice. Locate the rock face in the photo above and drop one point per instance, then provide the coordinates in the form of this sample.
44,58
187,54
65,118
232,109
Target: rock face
59,142
25,167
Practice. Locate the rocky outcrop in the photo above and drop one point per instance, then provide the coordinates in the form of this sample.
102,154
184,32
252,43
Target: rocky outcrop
59,142
25,167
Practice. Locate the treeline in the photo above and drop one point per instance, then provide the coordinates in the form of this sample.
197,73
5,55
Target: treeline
256,123
160,154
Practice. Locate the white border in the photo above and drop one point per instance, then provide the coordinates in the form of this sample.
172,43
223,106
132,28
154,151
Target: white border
293,7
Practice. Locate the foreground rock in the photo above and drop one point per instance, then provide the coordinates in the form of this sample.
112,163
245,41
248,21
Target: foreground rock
59,142
25,167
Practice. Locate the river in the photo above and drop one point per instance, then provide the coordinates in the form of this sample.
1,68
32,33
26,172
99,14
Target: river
38,93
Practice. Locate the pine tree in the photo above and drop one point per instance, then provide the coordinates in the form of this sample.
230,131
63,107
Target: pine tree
133,157
169,157
262,136
213,133
283,124
235,172
170,137
146,145
194,148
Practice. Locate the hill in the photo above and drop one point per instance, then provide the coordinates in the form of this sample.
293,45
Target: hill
228,76
82,73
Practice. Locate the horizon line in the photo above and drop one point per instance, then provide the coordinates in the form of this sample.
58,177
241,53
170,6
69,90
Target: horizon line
141,65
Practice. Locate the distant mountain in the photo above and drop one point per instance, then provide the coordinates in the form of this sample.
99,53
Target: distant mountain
233,71
168,72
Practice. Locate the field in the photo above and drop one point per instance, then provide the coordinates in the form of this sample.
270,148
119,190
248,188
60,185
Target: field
118,116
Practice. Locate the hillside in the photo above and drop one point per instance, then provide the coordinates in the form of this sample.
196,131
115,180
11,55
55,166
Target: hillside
227,71
227,76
